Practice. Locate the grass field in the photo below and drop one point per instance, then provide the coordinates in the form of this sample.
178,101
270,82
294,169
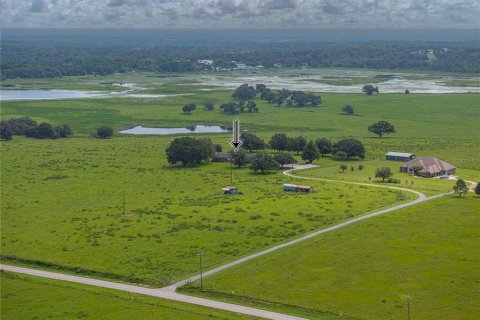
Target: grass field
73,215
365,270
25,298
62,199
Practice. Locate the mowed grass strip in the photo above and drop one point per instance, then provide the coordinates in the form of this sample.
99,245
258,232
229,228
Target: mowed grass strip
62,207
429,251
25,297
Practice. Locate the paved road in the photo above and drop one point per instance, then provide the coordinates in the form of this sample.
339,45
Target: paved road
160,293
169,292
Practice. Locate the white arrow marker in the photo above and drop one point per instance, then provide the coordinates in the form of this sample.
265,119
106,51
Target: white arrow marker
236,142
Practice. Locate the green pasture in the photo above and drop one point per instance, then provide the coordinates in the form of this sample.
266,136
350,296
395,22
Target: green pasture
442,125
428,251
62,201
25,297
62,207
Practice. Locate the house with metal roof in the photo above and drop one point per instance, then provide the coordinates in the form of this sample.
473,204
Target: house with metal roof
297,188
431,167
399,156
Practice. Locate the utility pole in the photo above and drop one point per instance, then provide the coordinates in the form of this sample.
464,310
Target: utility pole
201,270
408,306
124,211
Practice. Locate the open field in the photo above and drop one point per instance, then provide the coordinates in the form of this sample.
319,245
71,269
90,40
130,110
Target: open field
439,125
62,200
25,297
365,270
73,214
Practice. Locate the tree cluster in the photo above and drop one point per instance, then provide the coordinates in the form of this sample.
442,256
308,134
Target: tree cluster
288,98
26,126
190,151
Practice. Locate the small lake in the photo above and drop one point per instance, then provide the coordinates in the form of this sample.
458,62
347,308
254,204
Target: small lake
139,130
44,94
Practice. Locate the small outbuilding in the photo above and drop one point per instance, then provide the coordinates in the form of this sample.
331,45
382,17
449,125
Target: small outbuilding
229,190
297,188
222,157
399,156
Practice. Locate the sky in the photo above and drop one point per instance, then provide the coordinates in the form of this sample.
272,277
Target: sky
241,14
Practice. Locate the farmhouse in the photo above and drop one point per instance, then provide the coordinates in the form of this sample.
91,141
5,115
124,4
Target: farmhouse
399,156
431,167
297,188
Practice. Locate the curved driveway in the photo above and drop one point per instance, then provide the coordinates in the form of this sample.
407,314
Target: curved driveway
169,292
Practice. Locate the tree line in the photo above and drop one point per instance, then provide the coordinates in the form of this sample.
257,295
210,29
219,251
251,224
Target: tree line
26,126
32,58
195,151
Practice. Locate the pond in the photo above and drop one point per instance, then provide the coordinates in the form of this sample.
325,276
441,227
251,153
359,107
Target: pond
44,94
139,130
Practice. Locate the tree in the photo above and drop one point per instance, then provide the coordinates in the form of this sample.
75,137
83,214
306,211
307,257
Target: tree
188,108
104,132
230,107
244,92
352,147
218,148
279,142
6,132
383,172
260,88
301,99
20,126
64,131
310,152
284,158
477,188
343,167
341,155
251,106
407,91
252,142
369,89
240,158
381,127
348,109
296,144
43,131
263,162
460,187
324,146
416,169
190,150
208,106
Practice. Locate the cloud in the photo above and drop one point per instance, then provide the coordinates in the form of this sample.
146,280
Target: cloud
38,6
223,14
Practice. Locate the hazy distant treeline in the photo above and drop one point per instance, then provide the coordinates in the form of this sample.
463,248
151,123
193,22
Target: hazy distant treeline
62,56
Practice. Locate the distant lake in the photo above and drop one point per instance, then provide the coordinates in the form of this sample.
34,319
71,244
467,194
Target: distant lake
44,94
139,130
